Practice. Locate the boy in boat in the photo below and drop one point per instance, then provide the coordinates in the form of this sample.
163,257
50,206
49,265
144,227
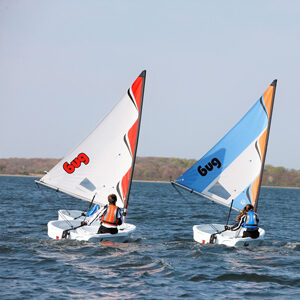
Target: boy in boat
111,217
249,220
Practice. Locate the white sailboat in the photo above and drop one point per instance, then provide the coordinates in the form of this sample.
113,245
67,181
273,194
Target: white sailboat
102,164
231,172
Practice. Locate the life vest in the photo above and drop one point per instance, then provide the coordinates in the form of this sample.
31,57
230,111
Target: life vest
110,216
251,221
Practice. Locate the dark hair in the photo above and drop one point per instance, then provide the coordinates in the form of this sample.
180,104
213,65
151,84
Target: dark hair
112,198
241,214
249,207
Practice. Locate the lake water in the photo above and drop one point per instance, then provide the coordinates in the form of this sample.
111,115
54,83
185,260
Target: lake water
161,260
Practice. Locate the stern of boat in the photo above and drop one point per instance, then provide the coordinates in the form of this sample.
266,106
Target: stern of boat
56,228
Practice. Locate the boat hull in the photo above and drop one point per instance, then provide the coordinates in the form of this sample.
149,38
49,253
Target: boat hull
64,214
203,234
88,233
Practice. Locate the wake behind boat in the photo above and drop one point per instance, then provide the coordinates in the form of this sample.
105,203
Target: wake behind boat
101,165
231,172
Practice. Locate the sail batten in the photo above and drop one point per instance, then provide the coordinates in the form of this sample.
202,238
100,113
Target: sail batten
232,169
103,162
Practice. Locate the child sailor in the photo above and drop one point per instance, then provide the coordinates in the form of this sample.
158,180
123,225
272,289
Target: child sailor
110,216
247,219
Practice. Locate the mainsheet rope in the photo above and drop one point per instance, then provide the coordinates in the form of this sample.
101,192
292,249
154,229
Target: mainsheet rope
179,192
54,205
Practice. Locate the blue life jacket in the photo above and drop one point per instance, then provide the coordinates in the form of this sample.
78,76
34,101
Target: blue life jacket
93,210
251,221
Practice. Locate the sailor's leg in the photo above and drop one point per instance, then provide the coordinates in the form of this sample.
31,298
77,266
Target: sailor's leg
213,238
103,229
252,234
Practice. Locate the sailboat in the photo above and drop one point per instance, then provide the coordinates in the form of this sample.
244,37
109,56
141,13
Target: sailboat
102,164
231,172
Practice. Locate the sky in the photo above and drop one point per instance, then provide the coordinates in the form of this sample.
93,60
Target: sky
65,63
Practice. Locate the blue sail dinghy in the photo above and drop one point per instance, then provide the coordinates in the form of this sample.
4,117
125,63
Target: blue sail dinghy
231,172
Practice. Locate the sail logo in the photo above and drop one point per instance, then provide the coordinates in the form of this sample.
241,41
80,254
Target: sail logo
76,163
209,167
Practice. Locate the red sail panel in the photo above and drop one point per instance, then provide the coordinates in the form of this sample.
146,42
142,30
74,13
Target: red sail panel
137,91
125,184
132,133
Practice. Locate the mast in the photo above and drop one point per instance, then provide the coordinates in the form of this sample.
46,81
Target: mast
229,212
273,84
126,201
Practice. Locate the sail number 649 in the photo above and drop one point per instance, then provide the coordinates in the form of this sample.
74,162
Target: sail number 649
76,163
209,167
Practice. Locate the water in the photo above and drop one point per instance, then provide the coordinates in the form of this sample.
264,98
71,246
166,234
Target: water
161,261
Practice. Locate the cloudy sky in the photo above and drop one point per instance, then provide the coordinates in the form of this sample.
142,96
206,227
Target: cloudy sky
65,63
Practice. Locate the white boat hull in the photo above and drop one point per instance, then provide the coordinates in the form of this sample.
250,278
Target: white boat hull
64,214
203,233
88,233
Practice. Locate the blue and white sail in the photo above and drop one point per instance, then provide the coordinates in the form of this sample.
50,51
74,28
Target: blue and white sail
232,169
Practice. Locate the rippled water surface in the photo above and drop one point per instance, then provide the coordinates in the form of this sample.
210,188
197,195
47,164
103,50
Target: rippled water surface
161,260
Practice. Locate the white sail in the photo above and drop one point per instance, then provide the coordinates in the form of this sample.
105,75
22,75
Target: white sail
103,163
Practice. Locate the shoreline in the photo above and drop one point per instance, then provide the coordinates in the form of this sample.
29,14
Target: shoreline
40,176
140,180
19,175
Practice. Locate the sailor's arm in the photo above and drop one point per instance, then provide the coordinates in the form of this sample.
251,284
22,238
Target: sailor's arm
97,215
119,217
238,225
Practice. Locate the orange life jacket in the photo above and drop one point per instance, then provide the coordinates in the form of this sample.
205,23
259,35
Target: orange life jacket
110,216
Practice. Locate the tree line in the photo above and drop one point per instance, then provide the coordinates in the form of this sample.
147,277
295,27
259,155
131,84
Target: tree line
148,168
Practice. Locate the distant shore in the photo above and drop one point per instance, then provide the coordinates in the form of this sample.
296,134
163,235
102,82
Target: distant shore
147,169
140,180
21,175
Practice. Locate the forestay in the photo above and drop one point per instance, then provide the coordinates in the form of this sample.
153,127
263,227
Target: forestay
232,169
103,163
